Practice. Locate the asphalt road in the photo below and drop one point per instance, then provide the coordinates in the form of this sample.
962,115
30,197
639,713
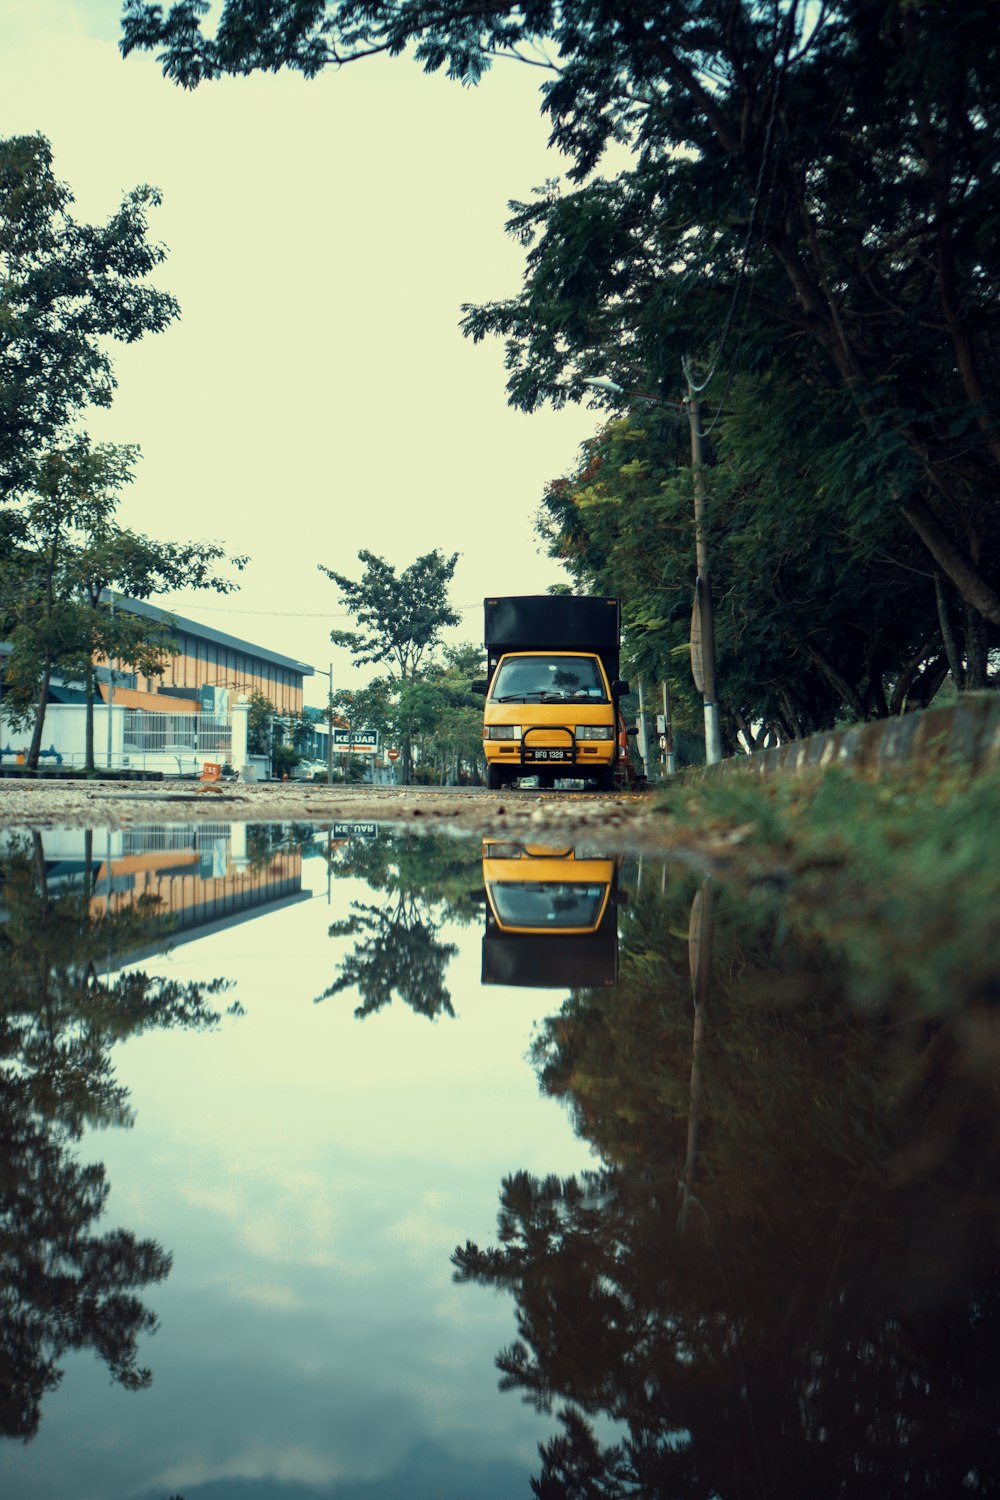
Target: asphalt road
617,817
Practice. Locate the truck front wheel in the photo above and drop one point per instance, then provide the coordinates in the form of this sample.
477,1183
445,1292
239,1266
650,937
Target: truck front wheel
606,779
494,778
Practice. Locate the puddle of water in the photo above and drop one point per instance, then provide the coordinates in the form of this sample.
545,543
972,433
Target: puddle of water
265,1091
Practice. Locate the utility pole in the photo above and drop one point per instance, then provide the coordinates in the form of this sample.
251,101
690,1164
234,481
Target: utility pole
668,757
111,686
703,619
643,732
329,731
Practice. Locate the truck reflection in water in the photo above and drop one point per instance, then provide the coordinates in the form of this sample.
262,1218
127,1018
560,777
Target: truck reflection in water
551,917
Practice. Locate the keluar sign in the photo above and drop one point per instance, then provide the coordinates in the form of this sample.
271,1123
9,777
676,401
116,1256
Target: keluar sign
356,741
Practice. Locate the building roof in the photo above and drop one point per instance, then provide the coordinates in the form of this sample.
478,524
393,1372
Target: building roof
206,633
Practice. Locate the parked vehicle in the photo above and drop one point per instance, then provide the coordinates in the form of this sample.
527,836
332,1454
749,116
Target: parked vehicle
553,690
551,916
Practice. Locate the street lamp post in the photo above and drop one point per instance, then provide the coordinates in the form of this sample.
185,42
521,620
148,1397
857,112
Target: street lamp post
703,619
329,725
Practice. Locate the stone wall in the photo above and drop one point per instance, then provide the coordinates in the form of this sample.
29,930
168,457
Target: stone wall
967,730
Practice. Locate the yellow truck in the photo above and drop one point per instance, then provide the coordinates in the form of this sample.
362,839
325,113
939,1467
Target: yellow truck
551,916
552,689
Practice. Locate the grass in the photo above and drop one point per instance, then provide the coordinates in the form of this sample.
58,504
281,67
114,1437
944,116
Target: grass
900,874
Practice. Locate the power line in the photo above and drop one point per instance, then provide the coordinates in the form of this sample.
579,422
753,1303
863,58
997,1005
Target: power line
295,614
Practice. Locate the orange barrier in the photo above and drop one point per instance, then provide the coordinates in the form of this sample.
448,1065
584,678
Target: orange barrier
212,771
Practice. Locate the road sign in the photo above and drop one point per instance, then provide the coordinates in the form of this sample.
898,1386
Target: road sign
355,830
356,741
697,654
393,753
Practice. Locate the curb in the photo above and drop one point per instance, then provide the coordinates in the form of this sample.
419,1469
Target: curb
967,731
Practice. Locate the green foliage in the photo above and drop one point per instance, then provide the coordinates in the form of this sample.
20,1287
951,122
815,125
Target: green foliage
424,881
399,619
65,289
62,558
259,717
805,636
284,759
913,850
65,1287
805,224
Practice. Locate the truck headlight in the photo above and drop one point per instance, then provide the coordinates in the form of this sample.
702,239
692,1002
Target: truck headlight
502,732
594,732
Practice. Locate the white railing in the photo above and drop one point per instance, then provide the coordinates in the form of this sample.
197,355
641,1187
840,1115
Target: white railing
177,734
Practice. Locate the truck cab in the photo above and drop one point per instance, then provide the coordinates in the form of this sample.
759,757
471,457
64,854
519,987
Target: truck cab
553,689
551,916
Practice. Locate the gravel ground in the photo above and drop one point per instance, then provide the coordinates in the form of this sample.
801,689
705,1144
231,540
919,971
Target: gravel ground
621,820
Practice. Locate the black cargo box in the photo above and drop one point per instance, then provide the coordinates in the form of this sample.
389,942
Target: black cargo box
547,961
559,622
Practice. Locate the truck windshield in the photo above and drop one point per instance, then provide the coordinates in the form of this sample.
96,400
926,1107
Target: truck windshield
547,906
551,679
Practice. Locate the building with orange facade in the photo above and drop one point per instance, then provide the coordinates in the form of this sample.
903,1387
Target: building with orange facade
207,666
177,721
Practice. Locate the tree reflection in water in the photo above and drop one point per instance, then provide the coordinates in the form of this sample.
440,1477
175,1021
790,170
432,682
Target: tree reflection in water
427,880
64,1287
803,1299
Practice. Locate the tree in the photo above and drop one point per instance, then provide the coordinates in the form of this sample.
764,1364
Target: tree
64,1286
454,738
810,190
400,620
398,953
65,289
835,1267
70,494
424,880
63,556
113,560
805,636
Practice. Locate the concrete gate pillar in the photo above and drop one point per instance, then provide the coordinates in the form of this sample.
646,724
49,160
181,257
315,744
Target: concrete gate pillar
241,720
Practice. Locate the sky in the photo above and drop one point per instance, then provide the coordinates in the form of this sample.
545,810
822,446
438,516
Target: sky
311,1175
316,396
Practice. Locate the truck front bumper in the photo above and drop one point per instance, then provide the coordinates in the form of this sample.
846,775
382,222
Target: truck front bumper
546,749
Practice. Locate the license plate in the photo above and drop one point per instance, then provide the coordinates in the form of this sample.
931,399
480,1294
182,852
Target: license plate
551,754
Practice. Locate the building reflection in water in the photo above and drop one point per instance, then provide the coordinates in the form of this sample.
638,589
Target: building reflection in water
551,916
202,877
78,914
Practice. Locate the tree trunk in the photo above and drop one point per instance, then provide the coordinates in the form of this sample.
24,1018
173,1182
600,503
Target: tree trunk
948,631
973,587
753,742
927,684
976,660
88,742
907,677
836,680
36,734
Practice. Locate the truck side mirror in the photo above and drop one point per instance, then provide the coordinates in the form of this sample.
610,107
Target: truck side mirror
632,730
479,686
619,689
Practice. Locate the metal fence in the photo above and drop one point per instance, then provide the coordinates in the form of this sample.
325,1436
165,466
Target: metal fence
177,734
157,839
